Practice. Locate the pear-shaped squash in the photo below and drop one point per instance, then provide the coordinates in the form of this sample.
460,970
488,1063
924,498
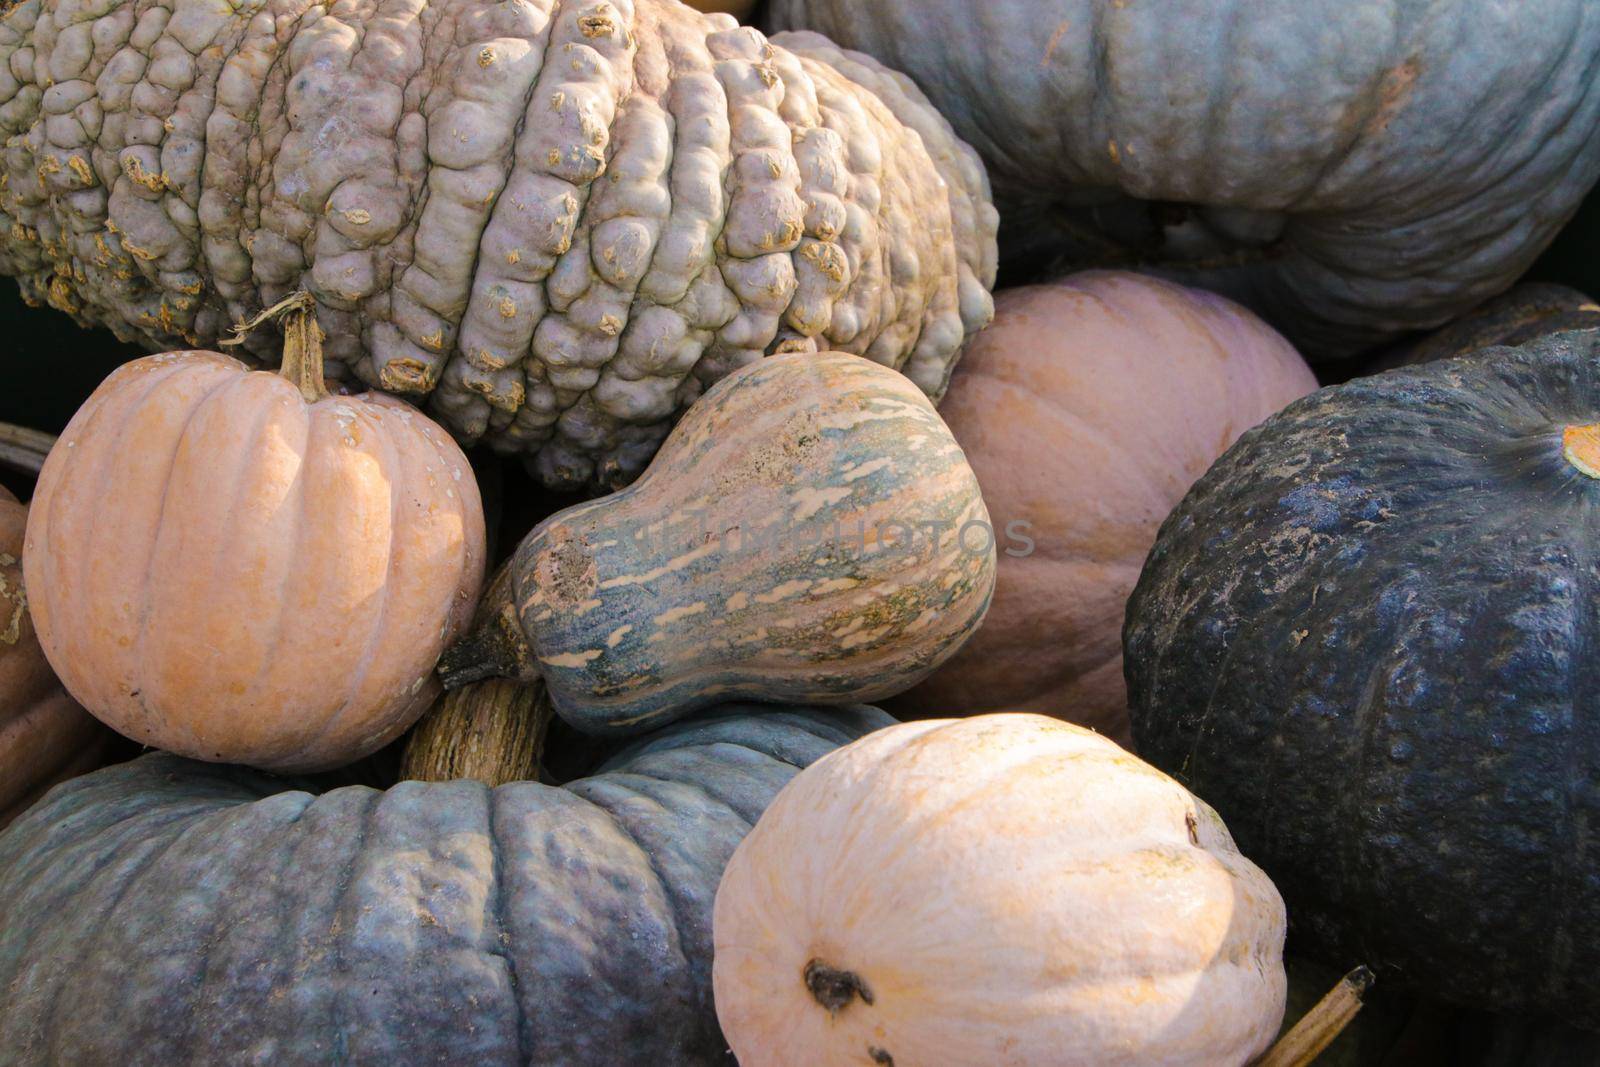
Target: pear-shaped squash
1004,890
237,566
810,532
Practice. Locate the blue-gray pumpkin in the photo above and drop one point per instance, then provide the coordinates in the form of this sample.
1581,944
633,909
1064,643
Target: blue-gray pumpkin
1368,637
168,911
1348,168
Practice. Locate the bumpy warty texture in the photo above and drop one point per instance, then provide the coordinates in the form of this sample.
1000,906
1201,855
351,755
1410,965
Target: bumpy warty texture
556,220
1350,169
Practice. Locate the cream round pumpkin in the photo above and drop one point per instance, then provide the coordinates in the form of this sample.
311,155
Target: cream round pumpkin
233,566
1087,410
45,737
1001,890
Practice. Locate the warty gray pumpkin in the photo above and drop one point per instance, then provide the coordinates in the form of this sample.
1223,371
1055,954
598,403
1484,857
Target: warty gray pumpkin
200,913
557,221
1349,169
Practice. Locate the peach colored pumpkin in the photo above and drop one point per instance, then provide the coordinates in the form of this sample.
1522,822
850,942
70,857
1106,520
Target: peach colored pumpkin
1005,890
1087,410
45,737
236,566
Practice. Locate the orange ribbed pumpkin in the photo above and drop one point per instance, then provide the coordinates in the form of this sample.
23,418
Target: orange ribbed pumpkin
237,566
45,737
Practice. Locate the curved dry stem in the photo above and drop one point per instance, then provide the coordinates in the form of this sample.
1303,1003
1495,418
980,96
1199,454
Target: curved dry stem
497,647
24,449
1324,1022
302,342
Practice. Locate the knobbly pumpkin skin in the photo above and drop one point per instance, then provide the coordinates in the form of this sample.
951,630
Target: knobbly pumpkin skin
196,913
1351,169
1365,637
45,737
779,547
554,221
223,569
1087,410
1005,890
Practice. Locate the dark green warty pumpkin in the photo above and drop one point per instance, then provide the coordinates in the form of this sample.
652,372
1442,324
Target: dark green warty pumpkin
1350,169
1370,637
167,911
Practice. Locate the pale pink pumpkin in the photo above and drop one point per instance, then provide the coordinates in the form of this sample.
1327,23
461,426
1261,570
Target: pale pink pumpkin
234,565
1005,890
1087,410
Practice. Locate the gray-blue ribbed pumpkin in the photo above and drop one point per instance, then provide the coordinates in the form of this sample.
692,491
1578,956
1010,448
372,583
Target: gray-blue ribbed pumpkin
168,911
1349,168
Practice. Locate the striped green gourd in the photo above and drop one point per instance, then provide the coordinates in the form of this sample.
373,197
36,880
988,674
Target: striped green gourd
809,532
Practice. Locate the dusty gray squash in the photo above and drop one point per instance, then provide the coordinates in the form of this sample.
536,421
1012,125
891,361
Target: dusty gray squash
1351,170
168,911
557,221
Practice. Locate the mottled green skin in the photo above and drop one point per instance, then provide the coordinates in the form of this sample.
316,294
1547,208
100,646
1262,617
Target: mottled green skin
556,221
752,560
1351,169
167,911
1367,637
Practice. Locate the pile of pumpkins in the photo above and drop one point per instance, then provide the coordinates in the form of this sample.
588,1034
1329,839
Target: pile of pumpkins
882,713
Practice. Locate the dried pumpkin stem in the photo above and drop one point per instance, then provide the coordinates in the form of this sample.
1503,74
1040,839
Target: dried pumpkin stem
1580,446
833,988
497,648
24,449
492,732
1324,1022
490,724
302,342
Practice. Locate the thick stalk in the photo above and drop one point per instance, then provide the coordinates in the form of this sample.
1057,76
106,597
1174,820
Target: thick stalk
302,342
491,731
1324,1022
491,724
